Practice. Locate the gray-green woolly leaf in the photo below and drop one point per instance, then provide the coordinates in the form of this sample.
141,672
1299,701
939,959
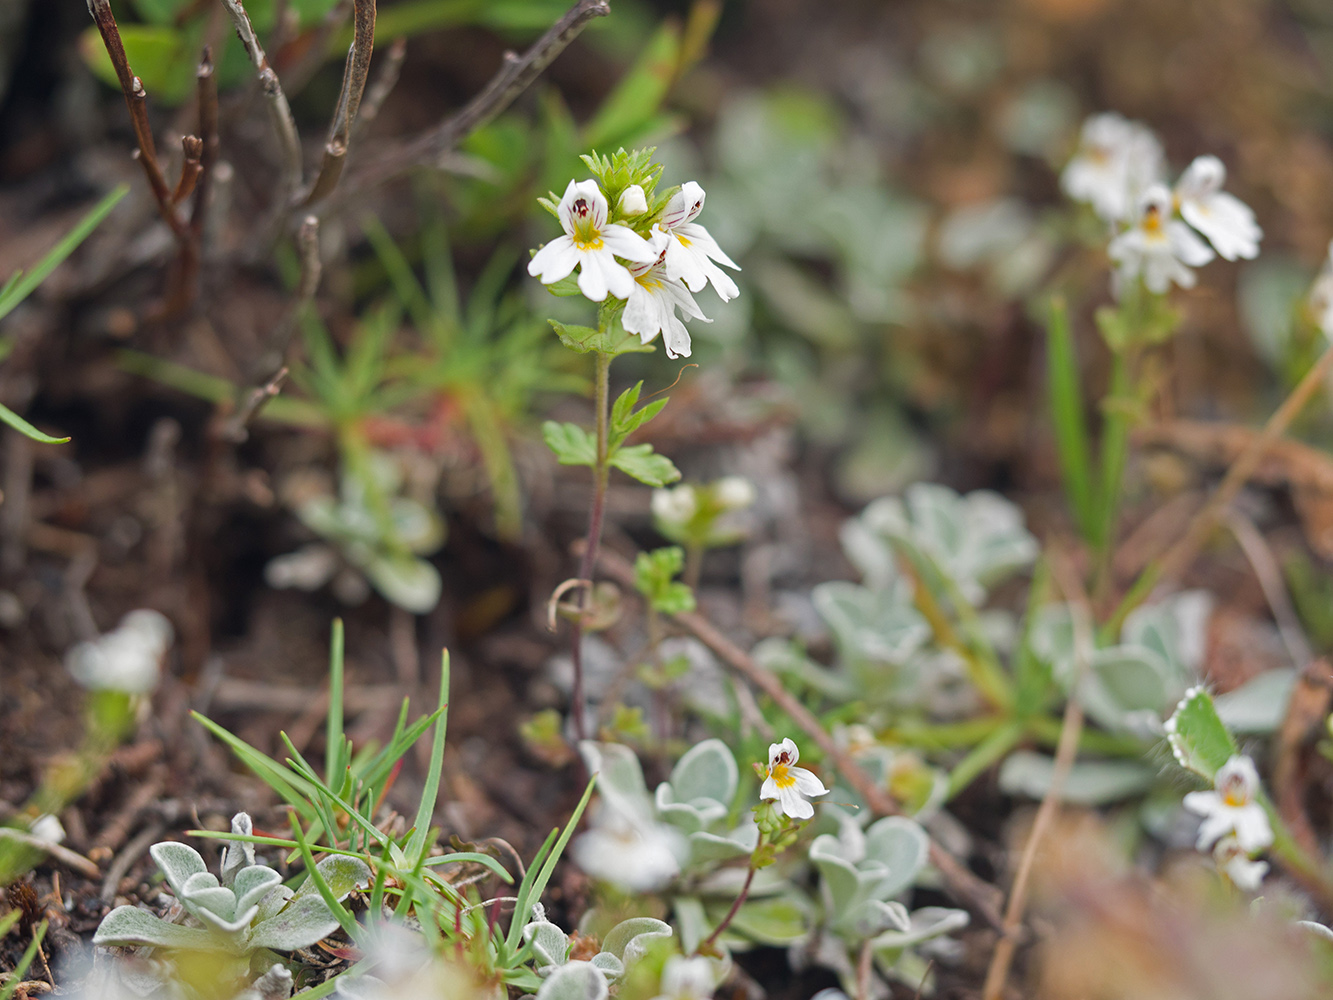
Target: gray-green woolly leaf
411,583
235,923
275,984
870,625
620,777
840,875
1090,783
1176,627
216,900
926,923
706,848
341,873
1199,739
575,981
1259,705
872,917
612,967
900,844
1127,686
867,551
628,939
707,771
275,900
239,853
177,863
549,943
304,922
683,816
128,926
415,526
253,884
691,921
777,921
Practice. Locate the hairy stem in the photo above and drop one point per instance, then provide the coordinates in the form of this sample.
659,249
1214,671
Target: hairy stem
709,944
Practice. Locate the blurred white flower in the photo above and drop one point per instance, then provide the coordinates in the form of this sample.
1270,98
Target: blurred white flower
127,659
1234,862
690,250
687,978
675,506
734,492
590,244
636,853
1116,162
1231,808
1321,302
789,784
633,201
653,302
1159,247
47,829
1224,219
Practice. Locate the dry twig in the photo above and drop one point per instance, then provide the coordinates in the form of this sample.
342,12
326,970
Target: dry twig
978,895
349,101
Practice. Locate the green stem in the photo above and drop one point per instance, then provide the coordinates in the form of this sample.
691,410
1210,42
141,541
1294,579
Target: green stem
709,945
600,475
984,754
1114,455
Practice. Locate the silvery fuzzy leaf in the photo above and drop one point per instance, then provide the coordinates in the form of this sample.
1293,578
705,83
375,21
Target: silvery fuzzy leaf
236,925
575,981
238,854
252,884
549,943
867,551
1176,627
341,873
1125,680
127,926
304,922
1258,705
273,902
706,771
708,847
275,984
362,988
901,845
841,879
628,939
688,817
872,917
177,863
926,923
612,967
217,902
411,583
1090,783
870,625
619,779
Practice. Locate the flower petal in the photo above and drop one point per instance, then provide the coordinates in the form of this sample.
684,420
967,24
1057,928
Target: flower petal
793,805
555,260
625,242
807,783
701,238
593,278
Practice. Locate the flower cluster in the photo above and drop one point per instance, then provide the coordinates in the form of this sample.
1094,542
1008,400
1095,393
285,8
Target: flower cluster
1161,232
646,250
1234,824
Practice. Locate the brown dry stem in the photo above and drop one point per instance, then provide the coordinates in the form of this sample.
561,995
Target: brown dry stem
349,102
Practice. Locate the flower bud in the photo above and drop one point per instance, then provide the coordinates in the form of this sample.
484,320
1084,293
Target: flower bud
633,201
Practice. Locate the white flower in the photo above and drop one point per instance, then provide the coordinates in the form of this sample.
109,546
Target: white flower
687,978
47,829
1226,220
734,492
1234,862
790,784
1116,161
128,659
690,251
1159,247
653,302
675,506
633,201
1231,808
591,245
637,854
1321,303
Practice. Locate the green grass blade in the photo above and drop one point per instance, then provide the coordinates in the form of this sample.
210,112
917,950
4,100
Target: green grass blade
11,418
1065,397
21,969
535,888
343,915
418,844
16,292
334,765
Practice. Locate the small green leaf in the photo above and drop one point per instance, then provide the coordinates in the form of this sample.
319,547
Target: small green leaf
570,442
1198,737
640,462
11,418
585,340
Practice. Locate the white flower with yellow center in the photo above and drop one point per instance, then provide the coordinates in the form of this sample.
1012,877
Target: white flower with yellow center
1231,808
1224,219
653,302
591,245
1116,160
790,785
690,250
1159,247
1235,863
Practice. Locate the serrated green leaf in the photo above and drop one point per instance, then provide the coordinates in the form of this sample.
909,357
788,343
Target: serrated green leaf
585,340
623,407
1198,737
571,444
643,464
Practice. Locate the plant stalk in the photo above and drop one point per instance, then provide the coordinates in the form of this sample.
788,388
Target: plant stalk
709,945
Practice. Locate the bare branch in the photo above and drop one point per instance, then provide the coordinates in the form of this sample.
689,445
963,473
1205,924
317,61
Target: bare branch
515,75
349,101
385,81
207,89
280,111
234,429
193,147
135,99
